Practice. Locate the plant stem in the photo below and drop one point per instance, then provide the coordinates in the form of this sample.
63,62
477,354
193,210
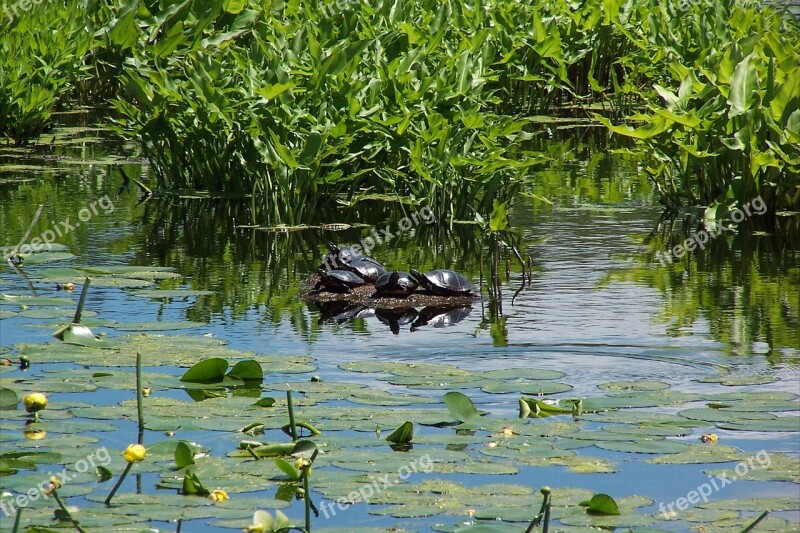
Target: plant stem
77,318
17,520
291,412
119,482
761,517
139,406
64,508
308,503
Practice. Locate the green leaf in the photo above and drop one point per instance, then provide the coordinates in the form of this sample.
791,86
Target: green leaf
210,370
103,474
192,485
271,91
248,369
601,504
460,406
403,434
744,83
268,401
498,220
8,399
183,455
304,448
287,468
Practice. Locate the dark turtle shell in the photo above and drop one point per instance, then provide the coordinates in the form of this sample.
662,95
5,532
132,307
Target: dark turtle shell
444,282
397,285
338,280
369,269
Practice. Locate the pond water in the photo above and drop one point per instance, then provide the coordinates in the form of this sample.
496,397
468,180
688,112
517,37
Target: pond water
599,317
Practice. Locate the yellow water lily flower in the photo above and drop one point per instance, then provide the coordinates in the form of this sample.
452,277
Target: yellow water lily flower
303,464
134,452
34,402
218,495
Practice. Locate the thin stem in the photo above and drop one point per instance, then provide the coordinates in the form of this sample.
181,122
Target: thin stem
17,520
64,508
139,406
761,517
291,412
119,482
86,282
308,503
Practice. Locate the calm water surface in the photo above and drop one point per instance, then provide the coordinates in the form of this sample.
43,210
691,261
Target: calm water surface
598,308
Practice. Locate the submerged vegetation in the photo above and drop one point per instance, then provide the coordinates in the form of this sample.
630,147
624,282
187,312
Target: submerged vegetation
303,105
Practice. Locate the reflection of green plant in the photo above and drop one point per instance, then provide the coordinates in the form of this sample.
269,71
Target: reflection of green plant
745,287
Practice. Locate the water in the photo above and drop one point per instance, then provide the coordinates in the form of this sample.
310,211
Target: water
599,307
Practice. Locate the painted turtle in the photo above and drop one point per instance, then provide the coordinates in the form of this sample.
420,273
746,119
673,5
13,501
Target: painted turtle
441,316
369,269
443,282
337,257
394,318
396,285
337,280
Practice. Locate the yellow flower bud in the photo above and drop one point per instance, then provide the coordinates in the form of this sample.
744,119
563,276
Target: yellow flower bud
218,495
34,402
134,452
55,482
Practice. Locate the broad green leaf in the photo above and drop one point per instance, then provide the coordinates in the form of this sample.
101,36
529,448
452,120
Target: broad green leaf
460,406
210,370
601,504
403,434
183,455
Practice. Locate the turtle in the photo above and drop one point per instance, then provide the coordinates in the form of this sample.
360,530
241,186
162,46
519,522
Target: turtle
338,256
441,316
396,285
444,282
337,280
369,269
394,318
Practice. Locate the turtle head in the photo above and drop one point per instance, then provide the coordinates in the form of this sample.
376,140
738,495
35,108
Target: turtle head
417,275
394,277
333,248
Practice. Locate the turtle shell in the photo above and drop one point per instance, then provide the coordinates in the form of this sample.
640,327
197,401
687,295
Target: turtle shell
368,269
444,282
397,284
338,280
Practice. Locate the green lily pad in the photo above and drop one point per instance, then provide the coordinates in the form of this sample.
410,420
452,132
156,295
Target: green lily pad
639,385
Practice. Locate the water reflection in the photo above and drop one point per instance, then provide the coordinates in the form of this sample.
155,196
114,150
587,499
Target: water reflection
744,285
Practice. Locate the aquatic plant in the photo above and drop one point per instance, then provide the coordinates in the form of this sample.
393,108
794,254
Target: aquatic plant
724,128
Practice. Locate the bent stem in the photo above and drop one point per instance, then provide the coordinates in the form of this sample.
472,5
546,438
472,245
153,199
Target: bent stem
64,509
119,482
